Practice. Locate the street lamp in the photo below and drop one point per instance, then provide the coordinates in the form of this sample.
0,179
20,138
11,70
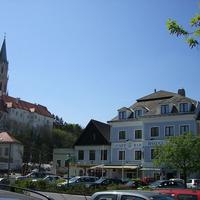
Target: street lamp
67,162
102,162
123,160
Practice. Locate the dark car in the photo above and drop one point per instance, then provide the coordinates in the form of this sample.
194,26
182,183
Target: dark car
166,184
104,182
134,184
4,181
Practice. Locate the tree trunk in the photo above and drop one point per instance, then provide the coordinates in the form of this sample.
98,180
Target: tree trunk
185,177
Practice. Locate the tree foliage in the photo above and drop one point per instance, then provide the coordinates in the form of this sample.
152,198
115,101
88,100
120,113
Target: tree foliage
181,153
39,142
192,37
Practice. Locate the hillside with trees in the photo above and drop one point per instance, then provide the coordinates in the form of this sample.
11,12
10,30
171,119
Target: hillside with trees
40,142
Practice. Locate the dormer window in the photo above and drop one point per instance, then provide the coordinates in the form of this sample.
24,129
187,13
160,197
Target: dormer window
183,107
138,113
164,109
122,115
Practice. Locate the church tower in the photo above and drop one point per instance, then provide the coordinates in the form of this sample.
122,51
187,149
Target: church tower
3,69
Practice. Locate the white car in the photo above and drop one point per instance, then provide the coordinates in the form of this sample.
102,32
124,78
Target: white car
193,183
130,195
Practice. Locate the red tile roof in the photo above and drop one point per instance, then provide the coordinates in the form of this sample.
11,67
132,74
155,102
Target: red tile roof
20,104
7,138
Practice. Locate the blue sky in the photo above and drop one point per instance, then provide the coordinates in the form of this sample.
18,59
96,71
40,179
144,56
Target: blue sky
84,59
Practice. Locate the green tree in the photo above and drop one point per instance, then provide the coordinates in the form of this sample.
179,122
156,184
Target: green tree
181,153
192,36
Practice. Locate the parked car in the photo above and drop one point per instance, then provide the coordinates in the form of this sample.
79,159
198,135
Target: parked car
166,184
103,182
182,194
130,195
134,184
4,181
77,180
177,179
33,175
193,183
49,178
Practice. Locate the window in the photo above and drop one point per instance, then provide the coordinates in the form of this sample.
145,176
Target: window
0,151
138,134
169,131
184,129
122,135
164,109
183,107
138,113
152,154
6,151
0,85
131,197
58,163
154,131
121,155
138,155
2,70
122,115
80,155
92,155
103,154
187,197
106,197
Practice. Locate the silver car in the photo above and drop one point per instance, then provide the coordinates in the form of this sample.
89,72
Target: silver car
77,180
129,195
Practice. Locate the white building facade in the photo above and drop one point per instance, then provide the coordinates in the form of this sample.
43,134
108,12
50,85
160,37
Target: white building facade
11,152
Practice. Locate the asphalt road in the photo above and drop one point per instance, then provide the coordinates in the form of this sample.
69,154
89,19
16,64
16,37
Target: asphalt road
58,196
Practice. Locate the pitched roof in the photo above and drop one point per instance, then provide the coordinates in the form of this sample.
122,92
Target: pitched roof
3,54
20,104
95,133
7,138
151,102
154,100
157,96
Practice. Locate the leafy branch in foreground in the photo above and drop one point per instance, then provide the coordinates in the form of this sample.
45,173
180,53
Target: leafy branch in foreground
191,37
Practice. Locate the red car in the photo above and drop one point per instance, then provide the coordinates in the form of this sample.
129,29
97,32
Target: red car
181,194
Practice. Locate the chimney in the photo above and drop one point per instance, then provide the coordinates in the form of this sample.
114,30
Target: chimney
17,100
181,92
154,90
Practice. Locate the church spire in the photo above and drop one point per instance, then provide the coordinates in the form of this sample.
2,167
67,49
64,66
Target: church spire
3,69
3,54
